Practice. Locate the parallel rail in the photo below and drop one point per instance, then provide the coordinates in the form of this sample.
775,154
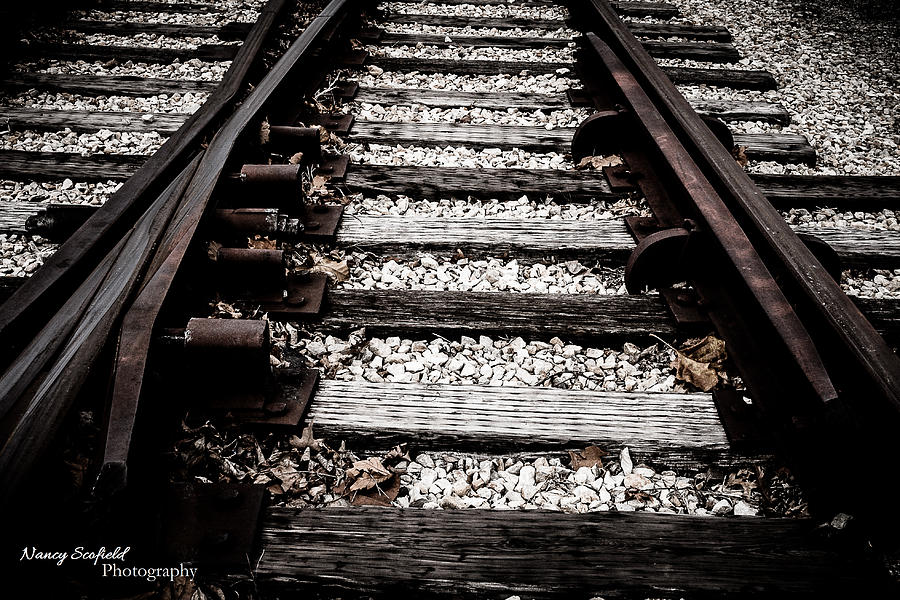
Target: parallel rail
815,367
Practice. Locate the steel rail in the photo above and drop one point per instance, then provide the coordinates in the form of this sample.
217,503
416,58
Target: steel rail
802,277
73,313
30,307
138,324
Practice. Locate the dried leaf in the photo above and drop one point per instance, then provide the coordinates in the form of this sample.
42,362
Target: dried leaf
306,439
740,155
598,162
366,474
296,159
382,495
337,270
696,373
262,243
264,130
588,457
319,181
212,250
701,363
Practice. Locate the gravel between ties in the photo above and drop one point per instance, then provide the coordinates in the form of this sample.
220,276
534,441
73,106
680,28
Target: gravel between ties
837,76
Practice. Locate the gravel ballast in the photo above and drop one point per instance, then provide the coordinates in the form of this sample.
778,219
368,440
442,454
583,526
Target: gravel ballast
837,75
451,32
186,103
449,156
61,192
428,272
487,361
516,82
193,69
477,10
521,208
102,142
417,113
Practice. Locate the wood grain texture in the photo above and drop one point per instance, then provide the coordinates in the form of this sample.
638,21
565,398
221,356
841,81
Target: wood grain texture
459,182
43,166
667,429
384,234
847,191
735,110
225,32
729,110
94,85
84,120
780,147
667,30
578,317
737,79
125,53
481,553
707,51
606,239
452,98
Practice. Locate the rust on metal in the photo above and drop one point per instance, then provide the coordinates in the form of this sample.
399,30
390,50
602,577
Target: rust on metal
741,421
281,174
657,261
687,308
338,123
334,166
303,297
321,222
289,140
715,218
251,221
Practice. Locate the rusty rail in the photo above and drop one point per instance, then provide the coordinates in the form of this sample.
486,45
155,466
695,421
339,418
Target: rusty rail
54,327
139,320
778,294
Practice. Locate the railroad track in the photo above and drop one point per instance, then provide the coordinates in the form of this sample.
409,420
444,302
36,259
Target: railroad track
304,217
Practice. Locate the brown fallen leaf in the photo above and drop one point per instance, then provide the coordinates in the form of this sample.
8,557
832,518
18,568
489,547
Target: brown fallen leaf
380,495
740,155
696,373
306,439
262,243
296,159
598,162
700,363
708,350
319,181
264,130
337,270
588,457
366,474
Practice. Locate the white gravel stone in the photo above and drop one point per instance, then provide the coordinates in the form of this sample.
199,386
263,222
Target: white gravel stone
476,10
513,82
502,362
62,192
880,284
521,208
193,69
836,74
21,255
491,53
237,15
449,156
186,103
451,32
102,142
559,488
417,113
425,272
883,220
